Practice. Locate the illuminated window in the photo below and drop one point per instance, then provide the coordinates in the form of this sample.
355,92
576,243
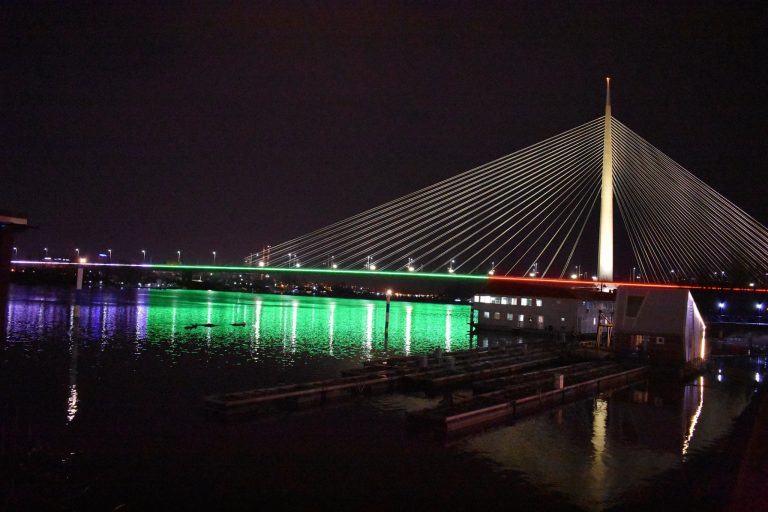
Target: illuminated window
497,315
525,302
477,298
486,314
485,299
521,318
540,321
504,301
510,317
562,319
496,300
513,301
538,303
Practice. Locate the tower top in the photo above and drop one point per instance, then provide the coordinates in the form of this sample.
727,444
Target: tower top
607,94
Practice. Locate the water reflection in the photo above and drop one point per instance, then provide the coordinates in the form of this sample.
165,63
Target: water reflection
74,328
341,328
595,451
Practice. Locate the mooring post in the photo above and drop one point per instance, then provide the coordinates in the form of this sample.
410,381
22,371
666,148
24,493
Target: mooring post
386,321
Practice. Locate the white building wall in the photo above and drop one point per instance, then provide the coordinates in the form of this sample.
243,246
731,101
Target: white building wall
540,313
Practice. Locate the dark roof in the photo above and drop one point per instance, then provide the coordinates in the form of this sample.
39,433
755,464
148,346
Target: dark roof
559,291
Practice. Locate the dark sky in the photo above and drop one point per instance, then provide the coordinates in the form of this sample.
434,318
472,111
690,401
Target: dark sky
207,126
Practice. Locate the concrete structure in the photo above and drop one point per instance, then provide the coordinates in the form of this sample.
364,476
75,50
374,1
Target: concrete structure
10,224
510,307
605,246
663,324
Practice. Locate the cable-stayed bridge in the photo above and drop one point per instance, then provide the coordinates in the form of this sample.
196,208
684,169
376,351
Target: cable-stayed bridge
535,213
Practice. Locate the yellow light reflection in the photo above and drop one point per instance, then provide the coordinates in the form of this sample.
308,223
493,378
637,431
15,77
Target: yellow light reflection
694,418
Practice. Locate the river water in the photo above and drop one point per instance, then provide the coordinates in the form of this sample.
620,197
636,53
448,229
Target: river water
101,403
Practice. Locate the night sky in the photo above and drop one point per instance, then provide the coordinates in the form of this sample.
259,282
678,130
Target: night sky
206,126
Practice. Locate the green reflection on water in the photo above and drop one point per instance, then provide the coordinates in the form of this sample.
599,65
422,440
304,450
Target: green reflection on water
340,328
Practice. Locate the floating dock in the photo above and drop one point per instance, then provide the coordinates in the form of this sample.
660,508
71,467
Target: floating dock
505,381
525,394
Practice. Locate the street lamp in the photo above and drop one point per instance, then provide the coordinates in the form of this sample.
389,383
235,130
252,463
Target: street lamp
759,307
178,256
143,255
15,251
721,307
110,254
77,252
46,251
214,257
450,268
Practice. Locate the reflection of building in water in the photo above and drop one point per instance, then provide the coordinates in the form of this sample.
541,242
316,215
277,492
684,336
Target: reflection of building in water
659,415
596,450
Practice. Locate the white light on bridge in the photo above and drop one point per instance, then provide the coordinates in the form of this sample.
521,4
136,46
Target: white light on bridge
261,263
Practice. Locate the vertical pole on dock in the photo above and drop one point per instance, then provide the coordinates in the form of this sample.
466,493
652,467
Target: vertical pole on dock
386,321
79,278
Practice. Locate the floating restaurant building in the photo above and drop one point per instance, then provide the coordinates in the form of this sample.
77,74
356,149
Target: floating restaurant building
530,307
663,324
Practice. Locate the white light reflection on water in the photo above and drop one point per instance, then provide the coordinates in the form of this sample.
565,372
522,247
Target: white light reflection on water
74,327
695,418
256,333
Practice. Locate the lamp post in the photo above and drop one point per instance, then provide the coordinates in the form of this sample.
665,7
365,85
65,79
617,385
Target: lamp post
77,252
214,257
110,255
143,256
759,307
721,307
178,257
46,251
15,251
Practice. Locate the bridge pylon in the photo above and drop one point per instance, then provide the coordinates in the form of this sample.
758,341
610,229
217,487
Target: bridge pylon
605,247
